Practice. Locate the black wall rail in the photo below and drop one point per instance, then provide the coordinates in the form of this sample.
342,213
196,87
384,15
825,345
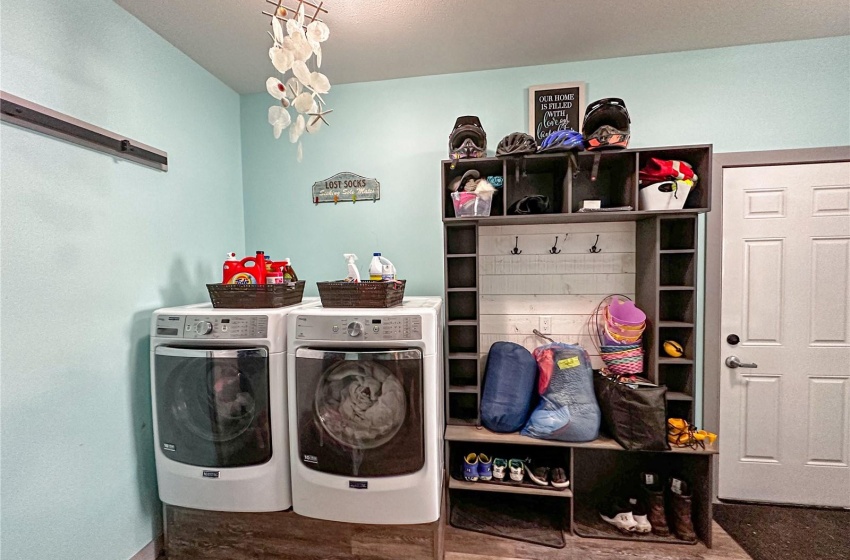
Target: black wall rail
30,115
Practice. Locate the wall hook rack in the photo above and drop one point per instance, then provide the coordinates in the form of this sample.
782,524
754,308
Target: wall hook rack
516,250
554,250
595,249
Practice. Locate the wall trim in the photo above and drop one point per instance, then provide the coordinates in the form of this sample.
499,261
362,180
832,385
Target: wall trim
151,551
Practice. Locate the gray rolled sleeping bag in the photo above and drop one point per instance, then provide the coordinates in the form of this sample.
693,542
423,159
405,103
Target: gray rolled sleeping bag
510,380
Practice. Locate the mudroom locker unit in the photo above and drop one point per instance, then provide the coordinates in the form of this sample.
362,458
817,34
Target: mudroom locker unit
665,245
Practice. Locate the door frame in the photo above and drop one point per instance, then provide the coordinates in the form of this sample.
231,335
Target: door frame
712,356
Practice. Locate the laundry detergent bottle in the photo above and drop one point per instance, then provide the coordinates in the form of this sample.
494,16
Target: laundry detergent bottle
381,268
229,268
250,270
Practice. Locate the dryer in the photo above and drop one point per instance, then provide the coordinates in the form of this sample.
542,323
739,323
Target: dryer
365,413
218,385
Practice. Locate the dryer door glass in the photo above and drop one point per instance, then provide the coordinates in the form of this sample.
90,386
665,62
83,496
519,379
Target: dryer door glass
212,406
360,413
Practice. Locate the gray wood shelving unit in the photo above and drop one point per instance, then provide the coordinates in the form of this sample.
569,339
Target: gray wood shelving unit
666,289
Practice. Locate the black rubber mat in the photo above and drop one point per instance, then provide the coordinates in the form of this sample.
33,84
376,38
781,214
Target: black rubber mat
769,532
523,518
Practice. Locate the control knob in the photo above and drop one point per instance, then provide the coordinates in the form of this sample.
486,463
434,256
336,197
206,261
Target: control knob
355,328
203,327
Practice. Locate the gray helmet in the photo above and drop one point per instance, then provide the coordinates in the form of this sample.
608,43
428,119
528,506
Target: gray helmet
516,143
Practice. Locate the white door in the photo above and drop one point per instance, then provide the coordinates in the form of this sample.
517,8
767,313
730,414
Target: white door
785,425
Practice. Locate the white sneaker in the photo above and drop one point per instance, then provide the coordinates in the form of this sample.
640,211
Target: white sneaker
516,470
640,517
620,517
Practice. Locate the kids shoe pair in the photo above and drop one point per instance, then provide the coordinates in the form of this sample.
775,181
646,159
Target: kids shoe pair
478,466
678,506
627,516
544,476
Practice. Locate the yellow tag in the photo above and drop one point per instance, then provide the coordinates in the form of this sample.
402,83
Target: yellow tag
567,363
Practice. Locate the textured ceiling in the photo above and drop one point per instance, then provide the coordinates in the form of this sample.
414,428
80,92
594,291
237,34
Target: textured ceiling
383,39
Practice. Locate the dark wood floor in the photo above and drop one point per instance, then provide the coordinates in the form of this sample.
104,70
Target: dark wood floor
196,535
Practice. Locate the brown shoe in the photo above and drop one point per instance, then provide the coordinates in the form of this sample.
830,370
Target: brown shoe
653,499
680,510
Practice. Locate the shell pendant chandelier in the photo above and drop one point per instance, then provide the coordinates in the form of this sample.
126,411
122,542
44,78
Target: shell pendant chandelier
294,46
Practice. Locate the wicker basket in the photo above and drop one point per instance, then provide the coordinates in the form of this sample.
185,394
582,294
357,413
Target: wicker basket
255,296
366,293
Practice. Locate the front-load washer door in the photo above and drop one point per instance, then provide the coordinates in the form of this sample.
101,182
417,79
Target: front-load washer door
360,412
212,406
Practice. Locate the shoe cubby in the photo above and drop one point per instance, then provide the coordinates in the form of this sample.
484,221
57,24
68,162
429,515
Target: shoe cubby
601,475
614,183
543,174
463,339
463,408
676,306
700,159
463,373
461,240
677,234
462,306
486,167
680,405
683,335
677,269
461,272
551,457
678,378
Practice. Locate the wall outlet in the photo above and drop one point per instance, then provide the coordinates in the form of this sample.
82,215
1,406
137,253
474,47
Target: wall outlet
546,325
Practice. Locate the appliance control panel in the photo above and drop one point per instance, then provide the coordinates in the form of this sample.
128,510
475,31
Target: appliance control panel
216,327
358,327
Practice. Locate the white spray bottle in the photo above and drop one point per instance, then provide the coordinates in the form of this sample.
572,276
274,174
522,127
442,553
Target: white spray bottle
353,273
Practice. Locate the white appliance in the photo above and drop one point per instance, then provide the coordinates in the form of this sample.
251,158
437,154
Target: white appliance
218,385
365,414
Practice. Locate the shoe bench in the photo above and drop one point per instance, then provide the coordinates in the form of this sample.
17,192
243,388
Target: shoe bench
596,470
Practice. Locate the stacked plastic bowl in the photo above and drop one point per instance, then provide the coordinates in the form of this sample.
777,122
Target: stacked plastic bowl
622,335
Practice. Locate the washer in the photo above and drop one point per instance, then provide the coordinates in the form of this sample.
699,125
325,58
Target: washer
366,422
218,384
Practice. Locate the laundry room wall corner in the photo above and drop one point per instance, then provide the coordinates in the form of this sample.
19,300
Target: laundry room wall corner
91,245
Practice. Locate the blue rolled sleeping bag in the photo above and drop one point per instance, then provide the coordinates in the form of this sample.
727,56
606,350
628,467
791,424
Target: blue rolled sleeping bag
509,387
568,410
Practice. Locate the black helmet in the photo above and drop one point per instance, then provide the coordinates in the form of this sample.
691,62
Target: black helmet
606,124
516,143
468,139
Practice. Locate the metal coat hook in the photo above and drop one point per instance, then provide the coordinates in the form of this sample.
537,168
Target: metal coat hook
554,250
595,249
515,250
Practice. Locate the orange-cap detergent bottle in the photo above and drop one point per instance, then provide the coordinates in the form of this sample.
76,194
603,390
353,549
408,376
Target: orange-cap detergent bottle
250,270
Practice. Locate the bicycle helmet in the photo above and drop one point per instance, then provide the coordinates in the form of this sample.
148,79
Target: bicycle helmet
606,124
515,144
468,139
562,141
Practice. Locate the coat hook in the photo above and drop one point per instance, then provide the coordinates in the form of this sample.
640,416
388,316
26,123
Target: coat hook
554,250
595,249
515,250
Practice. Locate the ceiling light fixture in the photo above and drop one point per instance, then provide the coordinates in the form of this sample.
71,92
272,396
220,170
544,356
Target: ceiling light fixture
291,51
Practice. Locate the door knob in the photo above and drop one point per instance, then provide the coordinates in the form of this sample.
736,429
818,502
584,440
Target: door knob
734,363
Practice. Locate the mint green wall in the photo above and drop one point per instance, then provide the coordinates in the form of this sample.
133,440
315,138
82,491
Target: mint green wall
761,97
90,245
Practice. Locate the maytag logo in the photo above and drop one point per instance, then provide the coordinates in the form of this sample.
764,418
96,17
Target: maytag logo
358,484
210,474
169,447
311,459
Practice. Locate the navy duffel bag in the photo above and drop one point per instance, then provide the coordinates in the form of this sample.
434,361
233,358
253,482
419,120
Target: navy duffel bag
510,380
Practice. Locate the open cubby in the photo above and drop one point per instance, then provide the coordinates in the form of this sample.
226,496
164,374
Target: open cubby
462,306
678,233
486,167
614,184
677,269
463,372
538,175
461,240
677,377
461,272
683,335
463,407
680,409
676,305
700,159
463,339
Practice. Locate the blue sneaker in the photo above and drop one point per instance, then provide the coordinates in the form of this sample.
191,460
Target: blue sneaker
470,467
485,467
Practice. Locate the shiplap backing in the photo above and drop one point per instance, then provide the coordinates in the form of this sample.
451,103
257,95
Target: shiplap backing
516,290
